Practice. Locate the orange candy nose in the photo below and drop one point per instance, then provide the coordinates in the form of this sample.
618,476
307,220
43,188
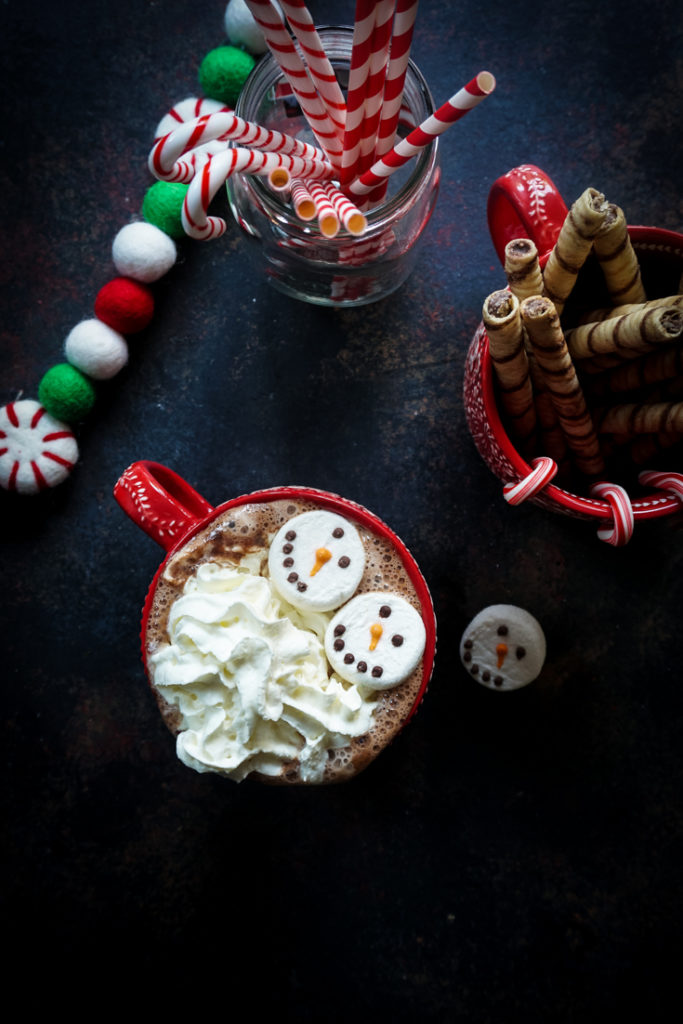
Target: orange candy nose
501,651
375,632
322,555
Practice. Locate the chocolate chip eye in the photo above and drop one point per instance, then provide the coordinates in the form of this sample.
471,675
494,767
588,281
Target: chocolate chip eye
503,631
349,659
397,639
339,630
290,535
385,611
339,645
520,652
338,532
377,671
362,666
344,562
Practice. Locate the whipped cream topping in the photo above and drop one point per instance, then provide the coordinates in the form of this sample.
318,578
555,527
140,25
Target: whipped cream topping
249,675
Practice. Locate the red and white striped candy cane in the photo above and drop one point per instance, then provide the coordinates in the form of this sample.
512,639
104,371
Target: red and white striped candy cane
447,114
544,469
287,56
672,483
302,200
620,530
196,136
374,91
351,217
328,221
319,67
218,169
361,49
187,110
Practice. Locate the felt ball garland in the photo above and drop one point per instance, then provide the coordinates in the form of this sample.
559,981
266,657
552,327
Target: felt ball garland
38,449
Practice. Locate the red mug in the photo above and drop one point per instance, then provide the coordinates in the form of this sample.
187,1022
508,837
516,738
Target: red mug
524,203
171,512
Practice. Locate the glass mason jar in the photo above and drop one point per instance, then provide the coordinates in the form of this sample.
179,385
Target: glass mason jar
294,254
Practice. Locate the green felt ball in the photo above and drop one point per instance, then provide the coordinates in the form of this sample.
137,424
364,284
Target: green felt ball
162,206
223,72
66,393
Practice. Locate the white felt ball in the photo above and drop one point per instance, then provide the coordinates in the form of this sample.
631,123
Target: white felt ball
143,252
241,28
96,349
36,450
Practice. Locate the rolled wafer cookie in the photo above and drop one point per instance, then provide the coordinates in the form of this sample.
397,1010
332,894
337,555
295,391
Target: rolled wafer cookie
522,268
611,312
552,439
641,418
506,348
542,323
647,447
629,336
617,258
574,242
664,365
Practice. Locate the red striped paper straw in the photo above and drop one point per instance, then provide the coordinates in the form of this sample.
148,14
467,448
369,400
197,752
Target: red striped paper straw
328,221
351,217
292,66
355,95
218,169
374,91
302,200
399,56
164,162
319,67
450,112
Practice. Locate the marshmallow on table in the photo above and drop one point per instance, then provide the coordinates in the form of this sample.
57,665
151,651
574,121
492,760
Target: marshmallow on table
503,647
316,560
377,639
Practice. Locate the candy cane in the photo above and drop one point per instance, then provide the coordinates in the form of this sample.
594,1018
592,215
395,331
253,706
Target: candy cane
620,530
187,110
672,483
351,217
218,169
328,221
451,111
361,49
218,129
544,469
319,67
285,53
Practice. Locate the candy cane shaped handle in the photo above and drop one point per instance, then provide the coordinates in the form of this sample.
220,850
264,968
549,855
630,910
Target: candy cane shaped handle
542,473
620,530
672,483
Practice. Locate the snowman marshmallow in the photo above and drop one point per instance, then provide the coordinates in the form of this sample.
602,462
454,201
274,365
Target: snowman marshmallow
503,647
316,560
377,639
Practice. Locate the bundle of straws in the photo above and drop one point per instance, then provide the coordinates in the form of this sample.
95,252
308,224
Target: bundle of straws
346,173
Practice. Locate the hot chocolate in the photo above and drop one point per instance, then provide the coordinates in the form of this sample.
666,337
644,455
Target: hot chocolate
219,613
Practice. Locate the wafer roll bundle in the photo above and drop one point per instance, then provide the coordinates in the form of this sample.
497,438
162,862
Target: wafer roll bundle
618,260
522,269
574,242
629,335
542,324
506,346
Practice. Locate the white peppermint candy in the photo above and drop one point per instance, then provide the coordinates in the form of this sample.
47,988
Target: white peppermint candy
503,647
36,450
316,560
376,639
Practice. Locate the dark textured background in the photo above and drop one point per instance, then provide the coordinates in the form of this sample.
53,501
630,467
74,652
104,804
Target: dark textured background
513,857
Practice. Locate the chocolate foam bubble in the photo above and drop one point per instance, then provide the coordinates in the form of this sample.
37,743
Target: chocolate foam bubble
246,530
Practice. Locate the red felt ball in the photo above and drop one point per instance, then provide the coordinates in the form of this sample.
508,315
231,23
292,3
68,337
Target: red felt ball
125,305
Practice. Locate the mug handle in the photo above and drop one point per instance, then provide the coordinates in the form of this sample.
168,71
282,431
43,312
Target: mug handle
160,502
525,203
